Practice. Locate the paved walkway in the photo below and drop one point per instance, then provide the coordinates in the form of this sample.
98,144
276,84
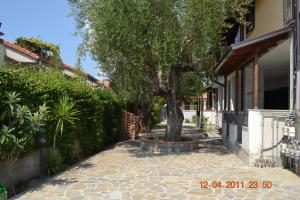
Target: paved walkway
125,172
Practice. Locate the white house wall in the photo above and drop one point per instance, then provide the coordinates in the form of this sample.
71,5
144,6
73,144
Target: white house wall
188,114
231,100
220,100
263,134
19,57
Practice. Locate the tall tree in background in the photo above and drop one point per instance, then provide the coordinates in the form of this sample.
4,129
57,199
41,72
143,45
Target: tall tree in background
156,48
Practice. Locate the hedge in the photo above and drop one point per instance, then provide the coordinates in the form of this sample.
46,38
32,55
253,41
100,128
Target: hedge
100,109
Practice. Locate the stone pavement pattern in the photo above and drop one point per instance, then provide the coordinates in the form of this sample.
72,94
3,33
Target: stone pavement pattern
124,172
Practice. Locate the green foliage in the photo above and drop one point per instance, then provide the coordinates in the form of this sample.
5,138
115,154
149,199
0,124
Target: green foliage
156,110
137,50
99,109
64,112
156,48
187,121
47,50
205,125
194,119
19,125
52,162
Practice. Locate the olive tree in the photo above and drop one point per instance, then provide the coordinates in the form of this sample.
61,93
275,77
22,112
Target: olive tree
161,48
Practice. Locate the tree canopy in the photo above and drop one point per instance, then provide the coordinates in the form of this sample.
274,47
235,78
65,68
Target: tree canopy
162,48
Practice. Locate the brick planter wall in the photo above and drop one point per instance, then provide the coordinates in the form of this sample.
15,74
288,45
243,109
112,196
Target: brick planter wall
168,147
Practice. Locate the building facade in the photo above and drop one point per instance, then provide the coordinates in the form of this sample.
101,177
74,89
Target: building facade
14,54
255,90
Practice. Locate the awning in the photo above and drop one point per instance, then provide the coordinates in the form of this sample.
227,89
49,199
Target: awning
242,53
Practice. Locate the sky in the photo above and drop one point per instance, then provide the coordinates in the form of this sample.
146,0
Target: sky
49,20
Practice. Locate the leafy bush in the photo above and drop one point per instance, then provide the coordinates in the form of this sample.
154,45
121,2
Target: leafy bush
194,119
99,109
205,125
19,126
52,162
187,121
156,110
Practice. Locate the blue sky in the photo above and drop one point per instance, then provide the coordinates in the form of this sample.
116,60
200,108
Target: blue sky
47,19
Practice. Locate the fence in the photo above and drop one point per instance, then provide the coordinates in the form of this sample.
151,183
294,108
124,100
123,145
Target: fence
238,118
130,125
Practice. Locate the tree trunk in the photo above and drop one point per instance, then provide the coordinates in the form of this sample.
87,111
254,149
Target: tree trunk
174,121
10,163
174,114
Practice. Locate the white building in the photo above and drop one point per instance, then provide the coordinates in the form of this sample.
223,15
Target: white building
255,91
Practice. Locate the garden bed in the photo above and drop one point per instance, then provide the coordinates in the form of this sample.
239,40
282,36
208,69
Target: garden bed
159,145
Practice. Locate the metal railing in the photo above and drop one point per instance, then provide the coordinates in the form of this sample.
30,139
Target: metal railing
238,118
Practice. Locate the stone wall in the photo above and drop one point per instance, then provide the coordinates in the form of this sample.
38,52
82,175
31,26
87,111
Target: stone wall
26,168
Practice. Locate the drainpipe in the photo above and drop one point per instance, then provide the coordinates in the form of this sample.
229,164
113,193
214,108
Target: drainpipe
296,40
292,81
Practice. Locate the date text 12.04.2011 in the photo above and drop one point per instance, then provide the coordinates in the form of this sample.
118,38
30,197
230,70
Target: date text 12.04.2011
236,184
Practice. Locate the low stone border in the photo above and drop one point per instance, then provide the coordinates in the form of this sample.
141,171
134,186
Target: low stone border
168,147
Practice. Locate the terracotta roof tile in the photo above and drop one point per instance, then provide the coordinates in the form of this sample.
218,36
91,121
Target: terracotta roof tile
20,49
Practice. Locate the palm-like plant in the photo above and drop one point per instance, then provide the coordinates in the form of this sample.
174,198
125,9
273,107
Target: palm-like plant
64,112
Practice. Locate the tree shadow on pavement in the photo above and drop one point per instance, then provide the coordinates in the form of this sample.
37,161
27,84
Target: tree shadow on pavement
85,165
62,181
213,145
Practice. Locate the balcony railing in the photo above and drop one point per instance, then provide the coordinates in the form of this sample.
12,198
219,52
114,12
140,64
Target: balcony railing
288,11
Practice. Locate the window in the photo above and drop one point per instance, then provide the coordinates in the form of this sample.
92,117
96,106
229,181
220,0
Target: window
250,18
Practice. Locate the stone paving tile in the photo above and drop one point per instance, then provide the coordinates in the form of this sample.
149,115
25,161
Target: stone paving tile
125,172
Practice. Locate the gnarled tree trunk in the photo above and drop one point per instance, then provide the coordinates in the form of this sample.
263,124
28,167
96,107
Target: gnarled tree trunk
174,114
174,121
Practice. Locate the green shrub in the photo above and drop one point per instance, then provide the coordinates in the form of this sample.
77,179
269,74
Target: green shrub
194,119
187,121
99,109
155,116
205,125
19,126
52,162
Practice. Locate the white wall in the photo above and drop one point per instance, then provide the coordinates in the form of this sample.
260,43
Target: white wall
231,82
19,57
263,132
188,114
220,100
211,116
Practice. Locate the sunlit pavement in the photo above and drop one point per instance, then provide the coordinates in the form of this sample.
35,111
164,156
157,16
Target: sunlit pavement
125,172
